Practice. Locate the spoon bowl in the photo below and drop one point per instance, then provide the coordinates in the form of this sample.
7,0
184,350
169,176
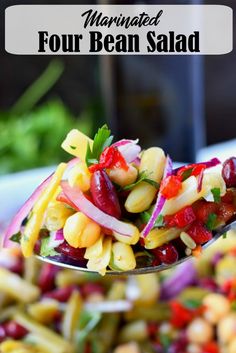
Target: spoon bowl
65,262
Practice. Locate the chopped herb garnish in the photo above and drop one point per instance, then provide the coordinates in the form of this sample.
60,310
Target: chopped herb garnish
216,194
224,236
211,221
16,237
45,249
101,140
145,217
73,147
142,177
159,221
186,174
192,303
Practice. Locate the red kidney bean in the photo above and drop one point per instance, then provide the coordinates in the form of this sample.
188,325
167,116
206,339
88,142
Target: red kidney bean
104,194
47,277
73,253
14,330
3,334
61,294
91,288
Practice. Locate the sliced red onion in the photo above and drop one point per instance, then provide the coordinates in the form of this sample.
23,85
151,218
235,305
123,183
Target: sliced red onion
209,164
15,224
110,306
184,275
81,203
125,142
129,149
160,200
56,238
200,180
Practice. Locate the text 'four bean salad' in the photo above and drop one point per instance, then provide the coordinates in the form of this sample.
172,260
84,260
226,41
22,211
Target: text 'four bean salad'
117,207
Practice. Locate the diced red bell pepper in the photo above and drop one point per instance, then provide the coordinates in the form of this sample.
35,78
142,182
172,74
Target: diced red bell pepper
203,209
210,347
170,186
110,158
199,233
181,219
180,315
194,169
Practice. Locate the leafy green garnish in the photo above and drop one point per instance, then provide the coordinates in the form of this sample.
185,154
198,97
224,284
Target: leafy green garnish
211,221
165,340
216,194
186,174
102,139
73,147
145,217
142,177
192,303
45,249
87,322
224,236
16,237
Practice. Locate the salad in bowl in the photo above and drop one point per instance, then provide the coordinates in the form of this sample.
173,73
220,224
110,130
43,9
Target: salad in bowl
117,207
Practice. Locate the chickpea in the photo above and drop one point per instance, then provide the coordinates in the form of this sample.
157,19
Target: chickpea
123,177
131,347
226,329
200,331
194,348
123,256
80,231
80,176
232,346
217,306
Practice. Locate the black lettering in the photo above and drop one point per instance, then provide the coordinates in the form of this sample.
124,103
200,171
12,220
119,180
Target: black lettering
150,38
193,42
95,42
54,43
162,43
109,39
43,39
181,43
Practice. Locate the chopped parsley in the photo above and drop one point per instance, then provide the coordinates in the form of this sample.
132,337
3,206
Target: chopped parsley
73,147
224,236
45,249
186,174
145,217
216,194
142,177
211,221
16,237
102,139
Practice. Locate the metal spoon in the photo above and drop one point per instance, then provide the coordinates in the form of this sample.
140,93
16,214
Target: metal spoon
74,265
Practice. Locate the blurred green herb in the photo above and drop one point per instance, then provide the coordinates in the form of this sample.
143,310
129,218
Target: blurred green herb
211,221
31,136
102,139
216,194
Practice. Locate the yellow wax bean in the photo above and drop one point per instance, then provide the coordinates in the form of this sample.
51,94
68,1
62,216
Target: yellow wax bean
134,331
100,263
76,144
142,195
44,335
44,311
80,176
56,215
123,256
71,316
189,192
95,250
80,231
158,237
128,240
34,224
17,288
